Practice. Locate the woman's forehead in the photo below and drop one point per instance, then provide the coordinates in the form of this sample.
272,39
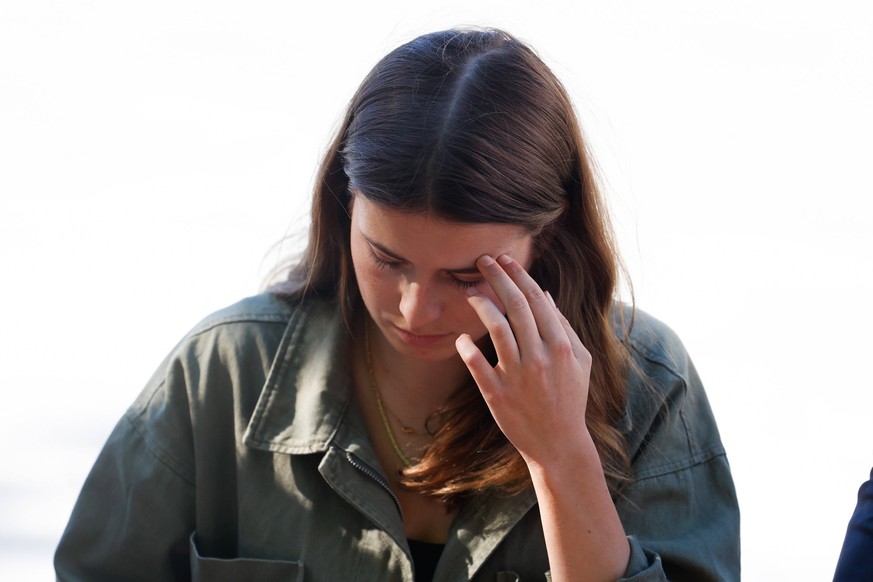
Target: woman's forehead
375,215
406,234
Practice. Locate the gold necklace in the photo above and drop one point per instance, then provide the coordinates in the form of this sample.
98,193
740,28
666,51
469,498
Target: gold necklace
374,387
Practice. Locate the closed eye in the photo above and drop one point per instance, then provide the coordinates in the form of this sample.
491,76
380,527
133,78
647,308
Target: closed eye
462,280
384,263
466,283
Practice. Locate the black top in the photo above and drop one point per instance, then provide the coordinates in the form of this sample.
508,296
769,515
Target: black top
425,557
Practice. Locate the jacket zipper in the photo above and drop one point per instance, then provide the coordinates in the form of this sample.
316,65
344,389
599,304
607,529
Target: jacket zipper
369,472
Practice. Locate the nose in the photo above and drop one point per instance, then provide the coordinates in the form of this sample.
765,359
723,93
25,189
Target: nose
419,306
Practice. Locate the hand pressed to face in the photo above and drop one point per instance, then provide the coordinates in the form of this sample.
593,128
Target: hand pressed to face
538,390
413,269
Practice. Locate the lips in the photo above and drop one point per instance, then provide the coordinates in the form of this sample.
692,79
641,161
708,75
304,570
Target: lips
420,340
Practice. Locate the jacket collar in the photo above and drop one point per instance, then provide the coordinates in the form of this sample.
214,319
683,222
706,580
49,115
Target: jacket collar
306,407
308,388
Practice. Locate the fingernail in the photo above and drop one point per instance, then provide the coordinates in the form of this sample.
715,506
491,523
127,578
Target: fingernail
504,259
472,291
486,261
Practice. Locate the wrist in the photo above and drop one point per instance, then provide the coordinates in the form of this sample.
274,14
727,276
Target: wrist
575,458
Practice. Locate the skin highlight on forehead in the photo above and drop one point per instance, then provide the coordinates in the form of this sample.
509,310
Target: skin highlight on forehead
404,237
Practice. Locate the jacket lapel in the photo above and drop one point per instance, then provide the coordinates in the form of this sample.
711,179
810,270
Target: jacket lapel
306,407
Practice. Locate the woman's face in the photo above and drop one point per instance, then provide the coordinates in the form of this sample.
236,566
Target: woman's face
413,272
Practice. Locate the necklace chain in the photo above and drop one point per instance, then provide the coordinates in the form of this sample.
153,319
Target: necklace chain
374,387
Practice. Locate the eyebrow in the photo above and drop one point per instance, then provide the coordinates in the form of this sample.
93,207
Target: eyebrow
472,270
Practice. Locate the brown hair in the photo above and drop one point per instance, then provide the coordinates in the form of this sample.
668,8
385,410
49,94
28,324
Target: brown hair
471,126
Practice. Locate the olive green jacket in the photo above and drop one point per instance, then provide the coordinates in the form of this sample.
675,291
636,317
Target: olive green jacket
246,458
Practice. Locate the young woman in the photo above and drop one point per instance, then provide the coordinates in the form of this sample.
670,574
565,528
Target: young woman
443,388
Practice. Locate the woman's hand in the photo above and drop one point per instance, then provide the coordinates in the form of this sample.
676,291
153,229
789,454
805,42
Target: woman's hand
538,393
538,390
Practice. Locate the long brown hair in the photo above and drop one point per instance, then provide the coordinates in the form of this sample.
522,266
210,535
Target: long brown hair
471,126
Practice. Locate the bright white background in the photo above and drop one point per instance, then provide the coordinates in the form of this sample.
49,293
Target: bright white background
152,154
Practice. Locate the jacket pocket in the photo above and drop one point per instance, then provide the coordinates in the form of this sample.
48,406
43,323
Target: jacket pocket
220,570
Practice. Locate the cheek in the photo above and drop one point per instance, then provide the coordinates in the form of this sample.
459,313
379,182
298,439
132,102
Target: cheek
373,286
377,287
364,278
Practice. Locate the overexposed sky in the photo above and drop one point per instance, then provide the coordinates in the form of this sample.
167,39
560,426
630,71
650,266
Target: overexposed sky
152,155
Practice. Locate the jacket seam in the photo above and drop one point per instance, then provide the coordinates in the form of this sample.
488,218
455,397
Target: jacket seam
695,460
155,450
240,318
695,456
662,362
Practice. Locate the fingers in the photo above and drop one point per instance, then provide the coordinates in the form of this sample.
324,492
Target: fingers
580,352
481,370
505,343
529,311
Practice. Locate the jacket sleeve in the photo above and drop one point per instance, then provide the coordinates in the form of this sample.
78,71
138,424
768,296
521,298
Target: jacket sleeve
856,556
680,510
135,513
